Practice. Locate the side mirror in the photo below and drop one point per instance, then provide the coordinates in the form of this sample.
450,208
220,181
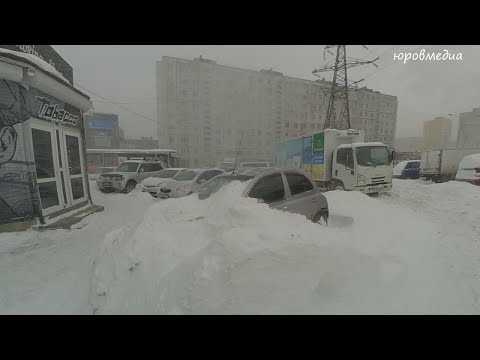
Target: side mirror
141,170
202,181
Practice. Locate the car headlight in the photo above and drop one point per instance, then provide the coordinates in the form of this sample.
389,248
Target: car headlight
181,189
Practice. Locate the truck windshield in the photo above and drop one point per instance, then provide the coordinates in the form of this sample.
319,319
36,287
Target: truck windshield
372,156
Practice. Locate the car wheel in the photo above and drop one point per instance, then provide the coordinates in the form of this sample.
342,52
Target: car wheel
131,185
321,218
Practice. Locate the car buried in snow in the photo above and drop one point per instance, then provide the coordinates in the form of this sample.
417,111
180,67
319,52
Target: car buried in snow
186,182
469,169
290,190
153,183
408,169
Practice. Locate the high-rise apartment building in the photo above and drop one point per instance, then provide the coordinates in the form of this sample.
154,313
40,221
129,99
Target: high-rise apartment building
208,111
468,136
437,133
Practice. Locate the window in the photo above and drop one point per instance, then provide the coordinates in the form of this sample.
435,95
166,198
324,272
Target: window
298,183
269,188
413,165
345,157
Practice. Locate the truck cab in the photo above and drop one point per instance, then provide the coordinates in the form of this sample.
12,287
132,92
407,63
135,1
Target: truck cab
364,167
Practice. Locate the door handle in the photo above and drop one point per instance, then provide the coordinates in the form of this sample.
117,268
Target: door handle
336,172
352,172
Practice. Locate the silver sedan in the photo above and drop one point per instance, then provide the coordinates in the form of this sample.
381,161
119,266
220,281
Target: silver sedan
287,190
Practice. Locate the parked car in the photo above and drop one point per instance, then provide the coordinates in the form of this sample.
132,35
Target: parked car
99,171
186,182
409,169
469,169
289,190
127,175
152,183
255,164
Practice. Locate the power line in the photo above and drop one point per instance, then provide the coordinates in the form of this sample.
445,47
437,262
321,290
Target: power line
116,104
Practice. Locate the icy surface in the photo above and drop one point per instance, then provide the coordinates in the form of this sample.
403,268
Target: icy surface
415,251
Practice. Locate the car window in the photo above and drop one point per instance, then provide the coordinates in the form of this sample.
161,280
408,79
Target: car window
127,167
269,188
205,176
415,165
187,175
145,167
298,183
156,167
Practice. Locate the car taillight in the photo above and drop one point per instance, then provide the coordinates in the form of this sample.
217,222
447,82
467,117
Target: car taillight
477,170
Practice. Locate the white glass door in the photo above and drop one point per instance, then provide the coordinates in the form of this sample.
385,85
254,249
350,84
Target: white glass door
74,173
45,153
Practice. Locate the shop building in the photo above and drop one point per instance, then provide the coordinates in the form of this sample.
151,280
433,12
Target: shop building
42,141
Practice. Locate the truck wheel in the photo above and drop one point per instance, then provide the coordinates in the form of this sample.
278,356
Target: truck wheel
321,218
338,186
131,185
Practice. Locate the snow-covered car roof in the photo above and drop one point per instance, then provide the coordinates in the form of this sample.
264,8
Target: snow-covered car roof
470,161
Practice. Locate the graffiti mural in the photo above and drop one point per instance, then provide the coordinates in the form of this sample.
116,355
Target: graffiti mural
18,194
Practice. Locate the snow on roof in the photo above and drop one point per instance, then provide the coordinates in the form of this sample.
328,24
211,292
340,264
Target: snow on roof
128,151
360,144
42,64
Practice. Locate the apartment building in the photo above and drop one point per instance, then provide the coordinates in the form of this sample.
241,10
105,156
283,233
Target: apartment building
208,111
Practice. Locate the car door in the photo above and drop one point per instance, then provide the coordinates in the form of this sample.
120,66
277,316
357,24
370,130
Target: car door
144,171
302,197
271,190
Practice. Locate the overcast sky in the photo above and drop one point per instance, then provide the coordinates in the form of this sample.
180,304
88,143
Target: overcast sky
425,89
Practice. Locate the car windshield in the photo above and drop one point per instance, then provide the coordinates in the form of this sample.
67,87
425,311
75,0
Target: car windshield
372,156
186,175
218,182
128,167
165,174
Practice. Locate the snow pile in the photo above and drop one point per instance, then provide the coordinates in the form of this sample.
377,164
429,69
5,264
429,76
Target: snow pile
415,251
228,254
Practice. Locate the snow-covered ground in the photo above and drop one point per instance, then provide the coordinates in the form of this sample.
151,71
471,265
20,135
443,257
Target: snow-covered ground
416,251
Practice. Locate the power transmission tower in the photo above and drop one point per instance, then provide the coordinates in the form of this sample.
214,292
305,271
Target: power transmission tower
340,86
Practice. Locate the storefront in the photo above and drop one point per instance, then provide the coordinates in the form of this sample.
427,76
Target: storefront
42,152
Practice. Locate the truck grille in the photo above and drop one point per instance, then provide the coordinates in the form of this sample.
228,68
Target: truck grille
164,190
377,181
109,176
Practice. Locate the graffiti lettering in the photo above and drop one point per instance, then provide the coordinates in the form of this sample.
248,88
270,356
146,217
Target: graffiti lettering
51,112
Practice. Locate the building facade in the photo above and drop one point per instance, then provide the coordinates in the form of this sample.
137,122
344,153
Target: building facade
102,131
42,142
468,136
437,133
139,143
208,111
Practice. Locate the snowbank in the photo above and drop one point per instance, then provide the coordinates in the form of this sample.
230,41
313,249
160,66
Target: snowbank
413,252
229,254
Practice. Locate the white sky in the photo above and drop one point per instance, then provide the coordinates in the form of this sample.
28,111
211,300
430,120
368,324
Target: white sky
126,73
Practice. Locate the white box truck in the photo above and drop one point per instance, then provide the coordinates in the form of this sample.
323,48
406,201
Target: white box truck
339,160
442,164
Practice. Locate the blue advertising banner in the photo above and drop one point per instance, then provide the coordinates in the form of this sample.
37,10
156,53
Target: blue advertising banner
307,150
102,124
